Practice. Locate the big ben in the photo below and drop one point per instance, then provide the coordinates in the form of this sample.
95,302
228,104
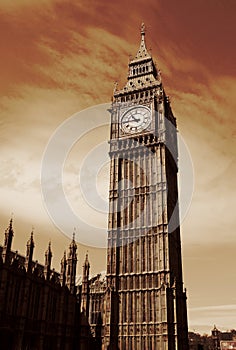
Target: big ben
144,303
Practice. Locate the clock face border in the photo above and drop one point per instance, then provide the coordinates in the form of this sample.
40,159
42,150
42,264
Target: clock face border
137,122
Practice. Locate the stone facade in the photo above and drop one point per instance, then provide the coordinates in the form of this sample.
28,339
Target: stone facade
36,310
145,304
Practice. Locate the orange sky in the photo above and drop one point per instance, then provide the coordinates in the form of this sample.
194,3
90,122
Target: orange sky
59,57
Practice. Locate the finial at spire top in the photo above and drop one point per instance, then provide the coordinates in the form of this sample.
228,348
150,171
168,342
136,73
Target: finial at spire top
143,29
86,262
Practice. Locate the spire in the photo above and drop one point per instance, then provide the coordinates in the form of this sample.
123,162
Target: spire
29,252
48,254
73,246
85,287
71,265
142,52
86,268
9,233
86,259
63,270
142,73
48,260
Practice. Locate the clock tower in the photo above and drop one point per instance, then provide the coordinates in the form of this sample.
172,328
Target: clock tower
144,303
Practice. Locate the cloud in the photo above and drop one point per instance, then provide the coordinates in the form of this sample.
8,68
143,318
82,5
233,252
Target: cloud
221,315
207,125
91,68
215,308
13,6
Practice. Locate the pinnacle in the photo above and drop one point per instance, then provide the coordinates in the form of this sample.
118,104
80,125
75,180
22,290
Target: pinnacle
86,258
142,52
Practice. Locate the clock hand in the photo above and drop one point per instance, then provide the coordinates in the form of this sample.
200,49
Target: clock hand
128,121
135,119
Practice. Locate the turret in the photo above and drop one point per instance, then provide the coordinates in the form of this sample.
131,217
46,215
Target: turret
48,260
71,266
6,251
85,287
29,253
63,270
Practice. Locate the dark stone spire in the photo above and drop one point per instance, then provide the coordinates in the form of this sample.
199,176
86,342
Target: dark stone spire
29,253
71,265
9,233
48,260
85,287
63,270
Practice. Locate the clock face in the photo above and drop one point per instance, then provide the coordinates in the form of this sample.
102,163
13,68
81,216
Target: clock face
136,119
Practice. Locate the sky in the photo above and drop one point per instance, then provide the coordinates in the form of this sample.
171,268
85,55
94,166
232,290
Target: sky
59,58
